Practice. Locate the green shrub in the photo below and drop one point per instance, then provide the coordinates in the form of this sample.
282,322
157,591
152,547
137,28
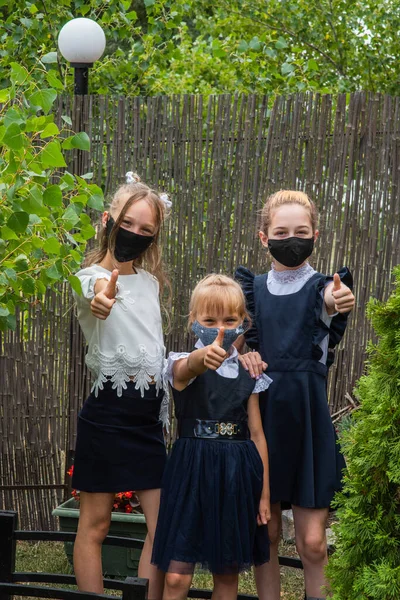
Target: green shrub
366,563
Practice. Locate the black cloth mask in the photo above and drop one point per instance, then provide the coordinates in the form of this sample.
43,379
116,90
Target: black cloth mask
128,245
291,251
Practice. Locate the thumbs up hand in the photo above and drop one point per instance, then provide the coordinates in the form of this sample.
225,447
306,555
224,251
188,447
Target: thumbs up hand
215,354
338,297
104,299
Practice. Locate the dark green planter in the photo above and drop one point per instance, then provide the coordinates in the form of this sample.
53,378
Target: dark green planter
117,562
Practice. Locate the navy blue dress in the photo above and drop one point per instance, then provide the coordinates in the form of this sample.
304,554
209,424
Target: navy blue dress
211,487
305,460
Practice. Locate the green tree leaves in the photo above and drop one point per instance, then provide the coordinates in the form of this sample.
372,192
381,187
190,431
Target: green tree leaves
203,46
43,226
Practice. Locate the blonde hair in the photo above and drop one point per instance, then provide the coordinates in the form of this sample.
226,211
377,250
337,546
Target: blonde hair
216,293
287,197
152,257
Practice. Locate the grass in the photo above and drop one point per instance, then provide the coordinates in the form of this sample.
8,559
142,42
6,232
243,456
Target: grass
50,557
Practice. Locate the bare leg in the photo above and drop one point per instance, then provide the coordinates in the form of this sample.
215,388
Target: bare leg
176,586
94,523
225,587
267,576
150,502
310,524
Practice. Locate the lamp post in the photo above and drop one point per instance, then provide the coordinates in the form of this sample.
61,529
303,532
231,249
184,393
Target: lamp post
81,41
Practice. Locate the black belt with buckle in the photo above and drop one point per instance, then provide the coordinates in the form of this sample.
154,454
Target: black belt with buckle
216,430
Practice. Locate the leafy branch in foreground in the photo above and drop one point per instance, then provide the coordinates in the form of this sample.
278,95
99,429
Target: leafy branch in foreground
44,228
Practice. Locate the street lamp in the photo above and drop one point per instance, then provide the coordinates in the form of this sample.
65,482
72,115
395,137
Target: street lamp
81,42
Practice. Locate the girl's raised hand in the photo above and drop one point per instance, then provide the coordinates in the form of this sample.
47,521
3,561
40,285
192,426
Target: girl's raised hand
215,354
253,363
342,296
104,299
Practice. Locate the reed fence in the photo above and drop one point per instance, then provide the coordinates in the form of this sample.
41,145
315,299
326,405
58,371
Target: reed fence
217,158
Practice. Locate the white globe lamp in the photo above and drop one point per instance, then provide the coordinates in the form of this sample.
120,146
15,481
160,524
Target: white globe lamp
81,41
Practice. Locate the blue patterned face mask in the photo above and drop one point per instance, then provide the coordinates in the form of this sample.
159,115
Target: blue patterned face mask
208,334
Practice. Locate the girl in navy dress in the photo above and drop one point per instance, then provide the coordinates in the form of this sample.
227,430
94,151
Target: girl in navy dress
298,316
120,444
215,494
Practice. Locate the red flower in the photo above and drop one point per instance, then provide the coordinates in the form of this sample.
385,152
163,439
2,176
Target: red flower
123,501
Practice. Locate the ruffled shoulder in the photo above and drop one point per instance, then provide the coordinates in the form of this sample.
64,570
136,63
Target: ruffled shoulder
338,323
246,279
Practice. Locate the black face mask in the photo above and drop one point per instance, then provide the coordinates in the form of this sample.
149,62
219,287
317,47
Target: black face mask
291,251
128,245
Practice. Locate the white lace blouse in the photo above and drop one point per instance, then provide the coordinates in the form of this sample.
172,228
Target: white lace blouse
129,344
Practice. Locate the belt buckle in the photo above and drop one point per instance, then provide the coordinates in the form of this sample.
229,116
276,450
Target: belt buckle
226,428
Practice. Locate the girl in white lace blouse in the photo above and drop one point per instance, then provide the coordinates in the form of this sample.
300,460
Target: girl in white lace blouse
120,444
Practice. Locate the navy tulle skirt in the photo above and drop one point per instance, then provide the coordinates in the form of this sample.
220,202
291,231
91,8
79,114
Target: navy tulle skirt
120,443
209,505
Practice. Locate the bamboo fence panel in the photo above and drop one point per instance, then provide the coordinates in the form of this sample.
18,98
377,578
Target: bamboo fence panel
218,158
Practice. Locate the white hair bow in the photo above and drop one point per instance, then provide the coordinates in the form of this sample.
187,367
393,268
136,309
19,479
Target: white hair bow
130,177
166,200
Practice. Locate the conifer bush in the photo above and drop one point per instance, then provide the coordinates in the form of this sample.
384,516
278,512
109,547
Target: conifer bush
366,562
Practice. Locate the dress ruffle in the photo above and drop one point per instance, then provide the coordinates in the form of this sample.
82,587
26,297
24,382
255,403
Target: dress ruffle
246,279
339,321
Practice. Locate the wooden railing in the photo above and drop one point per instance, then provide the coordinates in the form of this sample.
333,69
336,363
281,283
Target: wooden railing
14,582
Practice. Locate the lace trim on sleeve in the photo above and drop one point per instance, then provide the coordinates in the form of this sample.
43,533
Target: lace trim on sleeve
262,384
172,358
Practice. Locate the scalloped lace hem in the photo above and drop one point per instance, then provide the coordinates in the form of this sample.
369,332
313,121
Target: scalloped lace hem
144,369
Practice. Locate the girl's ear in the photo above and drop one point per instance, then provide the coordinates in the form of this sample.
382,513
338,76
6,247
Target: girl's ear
104,218
264,238
316,234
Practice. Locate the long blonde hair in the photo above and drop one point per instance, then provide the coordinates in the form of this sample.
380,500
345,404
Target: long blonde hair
287,197
152,257
216,293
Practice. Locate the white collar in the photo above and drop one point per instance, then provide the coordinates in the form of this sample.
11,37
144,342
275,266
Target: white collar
233,356
291,275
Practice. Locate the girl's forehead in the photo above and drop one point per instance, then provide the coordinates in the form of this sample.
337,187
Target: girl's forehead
140,210
289,215
217,312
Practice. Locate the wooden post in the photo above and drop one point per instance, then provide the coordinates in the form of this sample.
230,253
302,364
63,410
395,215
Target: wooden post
8,524
135,588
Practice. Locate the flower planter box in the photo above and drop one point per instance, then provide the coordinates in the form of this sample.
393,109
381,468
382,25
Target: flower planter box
117,562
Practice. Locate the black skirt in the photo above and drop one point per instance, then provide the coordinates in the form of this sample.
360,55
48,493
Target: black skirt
120,443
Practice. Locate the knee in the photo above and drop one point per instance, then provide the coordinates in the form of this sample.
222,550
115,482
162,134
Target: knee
176,582
312,548
228,580
94,531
